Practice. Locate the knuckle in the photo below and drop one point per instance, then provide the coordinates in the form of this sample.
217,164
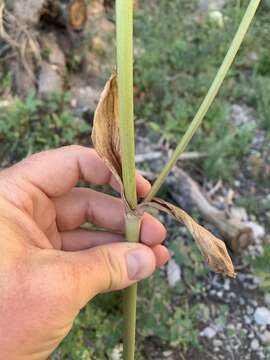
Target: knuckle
75,147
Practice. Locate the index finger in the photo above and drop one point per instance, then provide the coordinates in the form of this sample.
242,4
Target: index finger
56,171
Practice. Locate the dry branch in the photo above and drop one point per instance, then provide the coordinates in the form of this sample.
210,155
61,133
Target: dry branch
236,233
155,155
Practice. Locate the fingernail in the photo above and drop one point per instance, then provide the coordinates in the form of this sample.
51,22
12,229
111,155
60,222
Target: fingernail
138,264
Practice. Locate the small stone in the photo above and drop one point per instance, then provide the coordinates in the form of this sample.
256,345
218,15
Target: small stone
239,326
117,352
250,310
255,344
265,338
254,302
167,353
220,294
232,295
217,343
247,320
226,285
241,301
267,299
262,316
173,273
208,332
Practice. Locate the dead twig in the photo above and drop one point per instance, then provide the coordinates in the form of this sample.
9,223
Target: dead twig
147,157
157,155
215,189
236,233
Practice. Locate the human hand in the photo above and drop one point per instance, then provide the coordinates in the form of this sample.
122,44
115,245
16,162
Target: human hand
49,267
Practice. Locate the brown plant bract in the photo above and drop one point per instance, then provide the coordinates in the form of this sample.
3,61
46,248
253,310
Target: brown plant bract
106,140
213,249
105,133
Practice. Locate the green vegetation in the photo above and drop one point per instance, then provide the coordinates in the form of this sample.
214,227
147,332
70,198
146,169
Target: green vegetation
261,266
98,329
176,62
32,125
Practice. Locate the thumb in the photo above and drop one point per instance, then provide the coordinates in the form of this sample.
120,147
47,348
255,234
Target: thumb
110,267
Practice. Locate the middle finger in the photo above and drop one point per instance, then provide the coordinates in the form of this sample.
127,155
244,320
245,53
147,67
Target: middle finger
83,205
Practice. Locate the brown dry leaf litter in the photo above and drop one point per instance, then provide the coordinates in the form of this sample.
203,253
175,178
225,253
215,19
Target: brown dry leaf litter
106,140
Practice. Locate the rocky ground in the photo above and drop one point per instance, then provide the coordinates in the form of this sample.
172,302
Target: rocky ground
241,330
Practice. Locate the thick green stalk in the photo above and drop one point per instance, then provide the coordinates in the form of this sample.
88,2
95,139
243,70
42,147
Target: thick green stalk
124,32
210,96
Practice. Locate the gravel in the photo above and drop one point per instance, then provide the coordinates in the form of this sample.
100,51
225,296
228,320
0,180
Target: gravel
262,316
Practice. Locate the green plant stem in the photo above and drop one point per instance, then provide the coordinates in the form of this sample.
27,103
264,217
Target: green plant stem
124,32
130,296
124,38
209,98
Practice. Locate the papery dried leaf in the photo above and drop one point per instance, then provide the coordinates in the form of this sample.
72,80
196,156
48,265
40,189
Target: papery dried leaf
105,133
213,249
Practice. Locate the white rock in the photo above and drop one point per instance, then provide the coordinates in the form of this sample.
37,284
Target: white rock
226,285
265,338
217,343
267,299
208,332
173,273
247,320
220,294
117,352
255,344
262,316
257,229
167,353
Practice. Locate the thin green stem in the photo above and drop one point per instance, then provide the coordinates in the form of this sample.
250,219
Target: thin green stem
130,296
209,98
124,32
124,38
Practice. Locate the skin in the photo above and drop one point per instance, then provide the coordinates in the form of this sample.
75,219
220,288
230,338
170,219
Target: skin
50,267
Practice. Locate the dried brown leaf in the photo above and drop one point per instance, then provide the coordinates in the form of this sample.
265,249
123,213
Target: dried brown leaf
213,249
105,133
